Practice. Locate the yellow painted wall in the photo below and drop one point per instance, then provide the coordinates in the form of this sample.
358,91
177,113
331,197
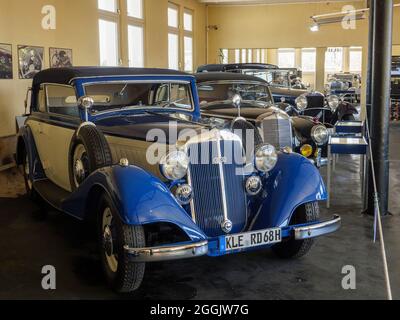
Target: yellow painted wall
77,28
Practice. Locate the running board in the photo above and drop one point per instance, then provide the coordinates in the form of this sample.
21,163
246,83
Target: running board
51,193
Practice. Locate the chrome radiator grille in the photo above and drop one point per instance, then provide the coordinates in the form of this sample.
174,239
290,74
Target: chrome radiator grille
218,188
277,131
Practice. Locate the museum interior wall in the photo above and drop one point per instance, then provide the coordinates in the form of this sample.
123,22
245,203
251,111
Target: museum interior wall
77,29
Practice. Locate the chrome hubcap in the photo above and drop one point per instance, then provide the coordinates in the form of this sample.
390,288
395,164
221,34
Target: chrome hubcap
109,242
80,165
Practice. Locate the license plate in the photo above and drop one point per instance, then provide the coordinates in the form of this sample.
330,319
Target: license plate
253,239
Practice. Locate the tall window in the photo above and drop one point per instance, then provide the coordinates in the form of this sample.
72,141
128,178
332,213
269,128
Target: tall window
135,15
249,55
308,59
237,55
188,39
334,60
244,56
355,62
224,56
287,58
108,32
173,37
258,56
113,45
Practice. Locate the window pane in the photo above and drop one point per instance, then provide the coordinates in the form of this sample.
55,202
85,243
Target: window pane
249,55
173,51
135,41
62,100
108,5
263,56
286,58
224,56
355,60
135,8
173,19
258,56
188,21
108,43
237,56
334,60
308,60
188,41
244,56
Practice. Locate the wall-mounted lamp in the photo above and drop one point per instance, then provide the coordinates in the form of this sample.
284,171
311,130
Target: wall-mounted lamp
314,27
212,27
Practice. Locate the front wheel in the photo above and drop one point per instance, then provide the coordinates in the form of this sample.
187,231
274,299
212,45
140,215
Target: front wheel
122,275
298,248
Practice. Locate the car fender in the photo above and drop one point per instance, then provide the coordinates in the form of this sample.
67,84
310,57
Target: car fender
139,197
26,142
293,182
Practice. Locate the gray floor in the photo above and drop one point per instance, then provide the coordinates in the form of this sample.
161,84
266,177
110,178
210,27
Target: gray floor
27,244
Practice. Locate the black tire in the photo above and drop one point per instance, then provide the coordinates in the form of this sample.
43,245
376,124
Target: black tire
30,190
127,276
348,117
296,249
96,154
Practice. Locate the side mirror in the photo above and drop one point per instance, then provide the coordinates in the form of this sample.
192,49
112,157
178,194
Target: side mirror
86,103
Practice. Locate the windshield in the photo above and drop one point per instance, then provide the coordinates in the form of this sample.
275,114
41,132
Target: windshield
110,96
275,78
213,92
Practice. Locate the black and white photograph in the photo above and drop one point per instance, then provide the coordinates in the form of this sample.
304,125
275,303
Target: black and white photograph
60,58
30,61
6,66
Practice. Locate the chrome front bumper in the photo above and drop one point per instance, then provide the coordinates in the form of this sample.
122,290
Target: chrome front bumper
167,253
319,229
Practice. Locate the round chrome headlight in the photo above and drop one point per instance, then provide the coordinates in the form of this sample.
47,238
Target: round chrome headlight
266,158
175,165
302,103
320,135
333,101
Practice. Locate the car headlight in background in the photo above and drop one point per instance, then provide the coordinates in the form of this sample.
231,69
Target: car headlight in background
266,158
320,135
306,150
302,103
333,101
174,166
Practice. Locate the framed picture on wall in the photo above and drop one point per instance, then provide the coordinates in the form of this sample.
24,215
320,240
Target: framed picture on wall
6,61
30,61
60,58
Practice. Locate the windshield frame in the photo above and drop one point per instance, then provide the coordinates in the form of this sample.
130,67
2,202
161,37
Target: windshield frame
222,82
144,107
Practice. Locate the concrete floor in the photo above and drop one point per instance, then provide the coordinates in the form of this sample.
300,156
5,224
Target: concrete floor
28,243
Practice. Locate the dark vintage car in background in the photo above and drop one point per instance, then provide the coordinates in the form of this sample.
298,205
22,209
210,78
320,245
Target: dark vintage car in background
345,84
218,91
126,150
296,101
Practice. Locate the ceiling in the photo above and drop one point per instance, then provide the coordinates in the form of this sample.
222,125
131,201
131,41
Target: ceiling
267,1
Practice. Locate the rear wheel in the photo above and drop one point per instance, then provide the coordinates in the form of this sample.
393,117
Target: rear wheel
30,190
297,248
122,275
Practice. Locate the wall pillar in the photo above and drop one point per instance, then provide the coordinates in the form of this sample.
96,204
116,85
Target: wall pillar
320,70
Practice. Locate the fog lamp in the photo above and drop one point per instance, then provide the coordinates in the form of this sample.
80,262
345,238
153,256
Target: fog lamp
184,194
253,185
306,150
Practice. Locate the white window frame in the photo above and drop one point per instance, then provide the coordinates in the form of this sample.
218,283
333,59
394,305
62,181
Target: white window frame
175,31
137,22
113,17
287,51
309,50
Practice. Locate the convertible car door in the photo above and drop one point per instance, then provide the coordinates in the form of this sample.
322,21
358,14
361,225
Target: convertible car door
53,129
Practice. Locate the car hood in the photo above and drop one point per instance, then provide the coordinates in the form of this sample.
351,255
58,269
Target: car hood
139,126
248,111
287,91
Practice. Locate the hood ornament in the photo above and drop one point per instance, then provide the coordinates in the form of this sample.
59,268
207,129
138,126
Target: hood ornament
237,102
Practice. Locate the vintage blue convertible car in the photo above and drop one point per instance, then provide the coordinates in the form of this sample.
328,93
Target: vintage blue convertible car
100,145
